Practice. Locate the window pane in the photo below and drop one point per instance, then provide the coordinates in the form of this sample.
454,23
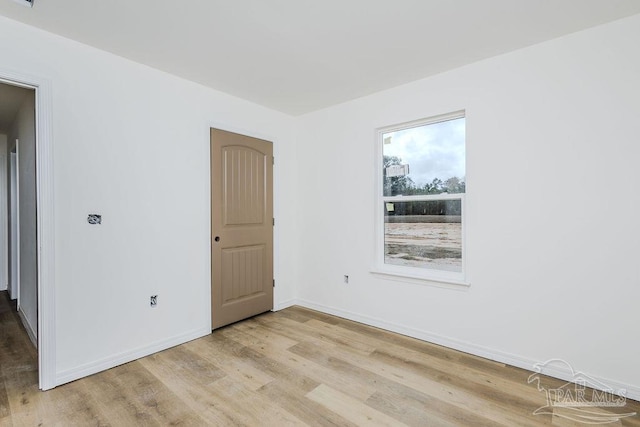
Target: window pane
427,159
424,234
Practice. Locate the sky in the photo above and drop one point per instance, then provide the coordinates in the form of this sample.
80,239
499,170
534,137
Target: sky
435,150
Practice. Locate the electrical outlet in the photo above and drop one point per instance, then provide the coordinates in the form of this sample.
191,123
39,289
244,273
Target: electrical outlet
154,300
346,278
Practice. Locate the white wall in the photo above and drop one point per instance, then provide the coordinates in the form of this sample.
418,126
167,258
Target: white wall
552,153
23,129
131,143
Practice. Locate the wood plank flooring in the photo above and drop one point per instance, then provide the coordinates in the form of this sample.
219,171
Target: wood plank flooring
295,367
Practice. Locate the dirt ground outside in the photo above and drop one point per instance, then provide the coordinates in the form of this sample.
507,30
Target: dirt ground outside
424,245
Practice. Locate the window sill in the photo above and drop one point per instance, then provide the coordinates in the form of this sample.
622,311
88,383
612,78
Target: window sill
441,282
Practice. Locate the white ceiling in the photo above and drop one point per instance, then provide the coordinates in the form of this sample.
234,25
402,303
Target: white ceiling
298,56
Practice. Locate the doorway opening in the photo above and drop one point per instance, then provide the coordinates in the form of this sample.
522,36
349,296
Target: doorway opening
26,213
18,237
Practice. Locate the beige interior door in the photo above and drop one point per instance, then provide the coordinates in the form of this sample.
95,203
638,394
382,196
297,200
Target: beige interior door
241,227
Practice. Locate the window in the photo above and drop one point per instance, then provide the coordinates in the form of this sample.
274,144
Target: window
420,203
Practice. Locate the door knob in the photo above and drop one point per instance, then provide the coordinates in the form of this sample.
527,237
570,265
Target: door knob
217,238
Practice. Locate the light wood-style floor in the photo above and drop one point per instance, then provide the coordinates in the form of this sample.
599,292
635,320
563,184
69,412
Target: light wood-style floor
293,367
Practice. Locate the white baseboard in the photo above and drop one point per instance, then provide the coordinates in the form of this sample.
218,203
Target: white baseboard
285,304
30,331
127,356
632,391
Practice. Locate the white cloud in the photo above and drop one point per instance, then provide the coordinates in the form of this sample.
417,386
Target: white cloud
432,151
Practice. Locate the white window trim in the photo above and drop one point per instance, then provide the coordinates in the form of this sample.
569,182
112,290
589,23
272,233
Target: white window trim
414,274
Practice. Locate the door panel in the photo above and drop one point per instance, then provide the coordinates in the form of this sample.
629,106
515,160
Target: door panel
242,278
241,227
244,192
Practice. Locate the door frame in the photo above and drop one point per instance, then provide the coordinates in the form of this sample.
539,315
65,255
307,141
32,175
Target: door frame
44,221
4,218
14,196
